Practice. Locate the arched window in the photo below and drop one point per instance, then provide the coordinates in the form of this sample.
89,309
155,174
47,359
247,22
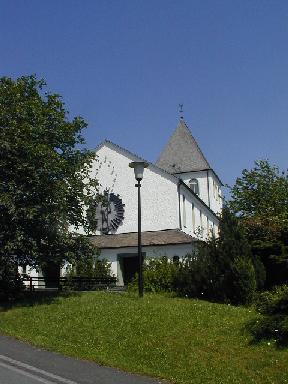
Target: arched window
194,185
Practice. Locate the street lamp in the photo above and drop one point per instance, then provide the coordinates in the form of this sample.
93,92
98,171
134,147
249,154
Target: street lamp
139,170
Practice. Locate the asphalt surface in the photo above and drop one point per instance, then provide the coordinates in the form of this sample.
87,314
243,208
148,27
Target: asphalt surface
20,363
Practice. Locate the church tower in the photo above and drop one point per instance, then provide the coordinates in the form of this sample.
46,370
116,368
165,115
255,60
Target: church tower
183,158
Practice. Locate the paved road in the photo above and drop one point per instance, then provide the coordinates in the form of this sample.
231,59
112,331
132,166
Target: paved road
21,363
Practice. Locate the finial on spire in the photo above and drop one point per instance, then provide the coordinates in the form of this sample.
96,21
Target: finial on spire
181,110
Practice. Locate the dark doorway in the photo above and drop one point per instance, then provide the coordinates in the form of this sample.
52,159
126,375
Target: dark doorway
51,273
130,267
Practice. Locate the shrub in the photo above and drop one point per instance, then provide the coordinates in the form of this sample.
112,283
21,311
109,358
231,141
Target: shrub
91,267
158,275
243,281
221,269
273,324
194,276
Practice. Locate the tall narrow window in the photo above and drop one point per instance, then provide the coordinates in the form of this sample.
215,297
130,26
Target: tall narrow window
194,185
201,220
184,212
193,217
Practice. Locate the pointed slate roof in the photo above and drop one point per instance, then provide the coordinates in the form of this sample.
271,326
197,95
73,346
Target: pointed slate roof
182,153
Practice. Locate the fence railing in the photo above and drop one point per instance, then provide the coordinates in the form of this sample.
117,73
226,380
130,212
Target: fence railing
73,283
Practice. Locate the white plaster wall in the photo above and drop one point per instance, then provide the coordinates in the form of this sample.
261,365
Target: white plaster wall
159,195
169,251
215,194
209,188
201,229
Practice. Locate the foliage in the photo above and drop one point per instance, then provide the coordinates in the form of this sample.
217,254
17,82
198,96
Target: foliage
274,256
158,275
273,324
43,174
262,192
11,284
234,261
90,267
260,198
243,281
195,275
222,268
183,341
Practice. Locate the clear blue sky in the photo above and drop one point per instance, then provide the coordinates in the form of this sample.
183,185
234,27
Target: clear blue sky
125,65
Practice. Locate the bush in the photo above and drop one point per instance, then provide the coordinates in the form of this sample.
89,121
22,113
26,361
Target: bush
273,324
91,267
243,281
158,275
219,271
194,276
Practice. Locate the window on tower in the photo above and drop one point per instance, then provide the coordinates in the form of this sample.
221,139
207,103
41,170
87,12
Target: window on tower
194,185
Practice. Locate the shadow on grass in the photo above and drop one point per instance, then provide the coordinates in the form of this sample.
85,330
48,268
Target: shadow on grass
29,299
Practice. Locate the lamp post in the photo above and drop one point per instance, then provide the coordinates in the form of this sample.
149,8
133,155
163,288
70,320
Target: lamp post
139,170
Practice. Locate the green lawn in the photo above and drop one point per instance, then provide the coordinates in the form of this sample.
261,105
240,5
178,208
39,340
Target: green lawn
185,341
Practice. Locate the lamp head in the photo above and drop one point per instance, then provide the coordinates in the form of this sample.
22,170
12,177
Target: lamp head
138,169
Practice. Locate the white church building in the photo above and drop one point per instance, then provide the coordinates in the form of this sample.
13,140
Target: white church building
180,197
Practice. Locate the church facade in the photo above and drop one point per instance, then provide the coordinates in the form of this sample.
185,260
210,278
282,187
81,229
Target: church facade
180,197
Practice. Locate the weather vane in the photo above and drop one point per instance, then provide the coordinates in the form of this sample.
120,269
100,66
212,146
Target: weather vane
181,110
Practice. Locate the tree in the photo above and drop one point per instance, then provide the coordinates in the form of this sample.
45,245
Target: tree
260,198
44,175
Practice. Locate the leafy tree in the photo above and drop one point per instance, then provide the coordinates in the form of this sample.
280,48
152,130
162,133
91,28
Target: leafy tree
44,175
260,198
261,195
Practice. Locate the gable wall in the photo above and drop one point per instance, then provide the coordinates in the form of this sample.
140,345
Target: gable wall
158,194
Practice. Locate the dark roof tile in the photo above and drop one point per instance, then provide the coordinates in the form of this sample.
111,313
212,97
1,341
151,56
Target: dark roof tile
168,236
182,153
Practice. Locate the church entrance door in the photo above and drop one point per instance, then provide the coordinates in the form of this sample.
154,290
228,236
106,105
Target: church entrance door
129,266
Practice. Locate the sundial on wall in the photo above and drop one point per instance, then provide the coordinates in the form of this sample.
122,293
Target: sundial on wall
109,212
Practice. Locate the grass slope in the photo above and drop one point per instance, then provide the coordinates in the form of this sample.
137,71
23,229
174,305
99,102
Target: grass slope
184,341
